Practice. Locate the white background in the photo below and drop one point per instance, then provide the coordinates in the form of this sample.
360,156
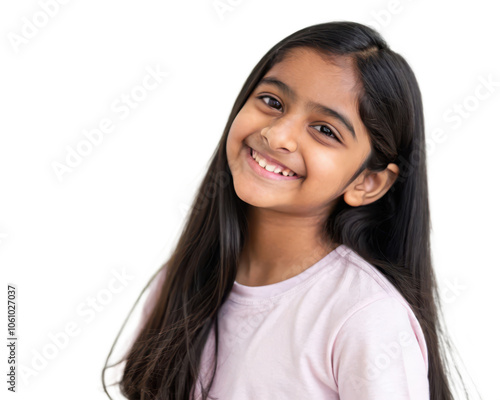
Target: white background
120,210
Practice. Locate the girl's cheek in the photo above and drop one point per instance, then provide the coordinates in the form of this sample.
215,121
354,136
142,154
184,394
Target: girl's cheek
239,127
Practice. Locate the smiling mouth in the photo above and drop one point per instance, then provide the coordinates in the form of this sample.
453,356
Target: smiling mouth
272,167
268,169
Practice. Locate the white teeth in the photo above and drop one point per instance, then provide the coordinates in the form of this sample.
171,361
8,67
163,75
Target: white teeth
270,167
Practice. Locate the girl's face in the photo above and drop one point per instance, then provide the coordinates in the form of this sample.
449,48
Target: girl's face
304,118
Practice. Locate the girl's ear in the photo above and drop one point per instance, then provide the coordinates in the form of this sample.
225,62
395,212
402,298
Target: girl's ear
370,186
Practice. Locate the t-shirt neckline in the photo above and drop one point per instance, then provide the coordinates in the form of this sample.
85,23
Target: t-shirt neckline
250,294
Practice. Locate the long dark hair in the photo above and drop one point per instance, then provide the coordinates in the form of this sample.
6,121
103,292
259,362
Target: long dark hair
392,233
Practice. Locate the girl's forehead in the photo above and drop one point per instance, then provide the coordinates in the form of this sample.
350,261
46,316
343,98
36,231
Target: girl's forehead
309,76
309,52
306,66
309,56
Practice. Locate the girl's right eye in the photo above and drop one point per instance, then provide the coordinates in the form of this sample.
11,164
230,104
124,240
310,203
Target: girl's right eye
271,99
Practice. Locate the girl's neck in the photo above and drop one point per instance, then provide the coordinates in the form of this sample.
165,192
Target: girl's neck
279,246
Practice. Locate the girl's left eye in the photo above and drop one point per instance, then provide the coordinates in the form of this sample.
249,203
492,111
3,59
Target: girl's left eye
269,97
329,131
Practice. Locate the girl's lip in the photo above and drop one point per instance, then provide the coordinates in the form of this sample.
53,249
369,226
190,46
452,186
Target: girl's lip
264,172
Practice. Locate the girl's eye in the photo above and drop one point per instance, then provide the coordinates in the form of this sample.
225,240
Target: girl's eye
329,132
272,99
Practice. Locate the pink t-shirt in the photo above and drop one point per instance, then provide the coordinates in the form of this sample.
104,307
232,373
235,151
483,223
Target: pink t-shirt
337,330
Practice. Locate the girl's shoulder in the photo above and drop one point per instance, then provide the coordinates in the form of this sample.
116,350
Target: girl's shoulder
360,281
374,330
356,294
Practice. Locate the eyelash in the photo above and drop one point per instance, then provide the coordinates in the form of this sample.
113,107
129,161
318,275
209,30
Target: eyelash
334,136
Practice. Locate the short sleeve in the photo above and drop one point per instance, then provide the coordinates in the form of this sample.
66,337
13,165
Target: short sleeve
380,354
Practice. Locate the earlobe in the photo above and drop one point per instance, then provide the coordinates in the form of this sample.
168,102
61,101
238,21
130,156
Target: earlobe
371,186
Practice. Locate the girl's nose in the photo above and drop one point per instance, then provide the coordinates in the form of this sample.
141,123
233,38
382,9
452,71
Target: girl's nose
282,134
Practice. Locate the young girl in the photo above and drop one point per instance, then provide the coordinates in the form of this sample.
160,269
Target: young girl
304,269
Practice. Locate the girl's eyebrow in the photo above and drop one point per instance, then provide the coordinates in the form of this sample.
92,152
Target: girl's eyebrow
313,106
